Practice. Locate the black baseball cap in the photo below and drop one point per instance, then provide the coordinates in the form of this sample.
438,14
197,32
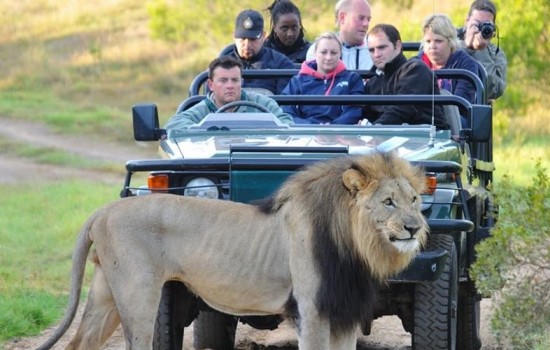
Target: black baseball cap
249,25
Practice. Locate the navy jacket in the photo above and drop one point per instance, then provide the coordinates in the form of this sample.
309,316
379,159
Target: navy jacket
402,77
460,87
265,59
310,82
296,53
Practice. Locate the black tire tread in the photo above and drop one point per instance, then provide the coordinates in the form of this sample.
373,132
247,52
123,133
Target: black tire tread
214,330
431,325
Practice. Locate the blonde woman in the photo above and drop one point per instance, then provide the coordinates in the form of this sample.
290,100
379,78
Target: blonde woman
325,75
441,50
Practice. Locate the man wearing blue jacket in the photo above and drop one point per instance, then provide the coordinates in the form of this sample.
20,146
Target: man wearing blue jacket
249,37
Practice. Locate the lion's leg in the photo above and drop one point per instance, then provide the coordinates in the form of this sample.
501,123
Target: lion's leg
137,294
313,331
345,341
100,317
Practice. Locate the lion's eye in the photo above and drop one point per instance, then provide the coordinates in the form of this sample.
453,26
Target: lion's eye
388,202
414,199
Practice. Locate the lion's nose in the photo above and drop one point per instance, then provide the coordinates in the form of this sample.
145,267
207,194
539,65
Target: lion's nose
412,229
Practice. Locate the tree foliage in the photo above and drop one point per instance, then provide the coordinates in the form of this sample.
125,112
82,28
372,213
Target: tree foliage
525,35
514,263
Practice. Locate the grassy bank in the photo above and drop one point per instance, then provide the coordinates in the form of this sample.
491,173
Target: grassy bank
81,68
38,226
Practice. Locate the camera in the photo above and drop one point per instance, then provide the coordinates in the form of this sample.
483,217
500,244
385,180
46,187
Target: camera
487,29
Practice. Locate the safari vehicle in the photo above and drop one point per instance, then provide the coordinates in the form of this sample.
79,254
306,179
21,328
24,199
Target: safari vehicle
245,157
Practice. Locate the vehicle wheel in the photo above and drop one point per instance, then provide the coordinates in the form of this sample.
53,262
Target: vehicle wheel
435,309
214,330
469,313
177,309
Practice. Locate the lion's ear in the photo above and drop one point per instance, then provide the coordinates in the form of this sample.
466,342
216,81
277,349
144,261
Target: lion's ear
354,180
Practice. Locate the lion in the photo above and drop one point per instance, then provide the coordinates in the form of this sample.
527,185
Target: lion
315,253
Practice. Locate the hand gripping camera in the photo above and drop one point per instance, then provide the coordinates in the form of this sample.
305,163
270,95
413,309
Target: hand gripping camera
487,29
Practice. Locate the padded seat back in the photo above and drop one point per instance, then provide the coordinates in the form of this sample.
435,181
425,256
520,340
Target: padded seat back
452,115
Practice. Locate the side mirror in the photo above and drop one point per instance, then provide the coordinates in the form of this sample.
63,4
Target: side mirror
146,122
482,123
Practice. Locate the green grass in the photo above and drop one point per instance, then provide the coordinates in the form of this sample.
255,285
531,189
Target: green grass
517,159
38,226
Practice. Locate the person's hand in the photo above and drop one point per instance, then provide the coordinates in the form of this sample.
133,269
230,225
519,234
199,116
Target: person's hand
473,38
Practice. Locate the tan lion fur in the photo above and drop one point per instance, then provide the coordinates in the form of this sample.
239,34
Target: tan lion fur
363,212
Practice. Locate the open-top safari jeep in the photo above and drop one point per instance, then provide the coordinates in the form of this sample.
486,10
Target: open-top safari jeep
244,157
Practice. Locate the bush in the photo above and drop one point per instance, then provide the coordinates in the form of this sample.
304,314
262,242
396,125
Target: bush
514,264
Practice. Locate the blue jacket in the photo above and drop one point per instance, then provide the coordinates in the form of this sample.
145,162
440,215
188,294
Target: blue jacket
310,82
265,59
459,87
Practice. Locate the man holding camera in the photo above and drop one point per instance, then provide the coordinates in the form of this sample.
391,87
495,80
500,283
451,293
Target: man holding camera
476,37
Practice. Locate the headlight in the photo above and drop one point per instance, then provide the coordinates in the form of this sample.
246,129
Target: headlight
201,187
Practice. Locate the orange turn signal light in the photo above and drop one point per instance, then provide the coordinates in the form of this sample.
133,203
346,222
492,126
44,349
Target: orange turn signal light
158,182
431,184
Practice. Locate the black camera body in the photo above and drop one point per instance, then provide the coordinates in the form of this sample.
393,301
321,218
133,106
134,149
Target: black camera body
487,29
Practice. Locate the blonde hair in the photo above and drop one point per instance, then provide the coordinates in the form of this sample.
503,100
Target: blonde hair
329,36
442,25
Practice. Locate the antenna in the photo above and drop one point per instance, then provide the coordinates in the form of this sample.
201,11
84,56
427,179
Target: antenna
431,141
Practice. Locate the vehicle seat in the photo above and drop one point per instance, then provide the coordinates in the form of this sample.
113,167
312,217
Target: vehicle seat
258,90
482,73
452,115
188,102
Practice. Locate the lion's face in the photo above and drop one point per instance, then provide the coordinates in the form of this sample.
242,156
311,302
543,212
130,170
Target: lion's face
388,219
393,210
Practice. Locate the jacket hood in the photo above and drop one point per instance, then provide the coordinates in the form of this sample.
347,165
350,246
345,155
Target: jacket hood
310,68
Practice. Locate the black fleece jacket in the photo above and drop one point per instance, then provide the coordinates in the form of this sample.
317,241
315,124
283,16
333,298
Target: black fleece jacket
404,77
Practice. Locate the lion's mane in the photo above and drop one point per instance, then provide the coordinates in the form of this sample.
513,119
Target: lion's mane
351,271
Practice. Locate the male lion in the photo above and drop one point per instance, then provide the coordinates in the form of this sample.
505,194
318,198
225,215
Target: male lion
315,253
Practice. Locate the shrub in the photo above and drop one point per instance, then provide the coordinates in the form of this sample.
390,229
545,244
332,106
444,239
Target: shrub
514,263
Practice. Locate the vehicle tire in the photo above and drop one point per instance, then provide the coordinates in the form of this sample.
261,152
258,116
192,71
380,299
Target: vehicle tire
214,330
469,314
177,309
435,309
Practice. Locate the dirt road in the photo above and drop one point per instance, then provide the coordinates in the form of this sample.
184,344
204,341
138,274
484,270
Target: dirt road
387,332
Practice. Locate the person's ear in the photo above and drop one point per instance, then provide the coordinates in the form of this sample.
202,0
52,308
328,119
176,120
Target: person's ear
341,17
209,83
399,45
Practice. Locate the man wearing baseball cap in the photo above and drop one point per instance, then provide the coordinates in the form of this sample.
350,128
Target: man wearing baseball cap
248,47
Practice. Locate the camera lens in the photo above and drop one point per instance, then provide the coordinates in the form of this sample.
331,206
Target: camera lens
487,30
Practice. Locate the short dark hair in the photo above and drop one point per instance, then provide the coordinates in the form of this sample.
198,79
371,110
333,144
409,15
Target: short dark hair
484,5
391,32
225,62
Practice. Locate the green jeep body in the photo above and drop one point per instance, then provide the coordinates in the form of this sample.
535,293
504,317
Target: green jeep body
434,297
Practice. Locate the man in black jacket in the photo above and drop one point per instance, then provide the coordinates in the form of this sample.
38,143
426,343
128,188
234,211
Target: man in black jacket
249,37
395,75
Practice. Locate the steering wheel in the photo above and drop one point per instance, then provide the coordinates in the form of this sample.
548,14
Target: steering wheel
243,103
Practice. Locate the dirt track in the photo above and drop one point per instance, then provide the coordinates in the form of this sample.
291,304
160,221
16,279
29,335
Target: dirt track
387,332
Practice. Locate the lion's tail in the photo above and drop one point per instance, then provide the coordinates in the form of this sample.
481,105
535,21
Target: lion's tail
80,255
